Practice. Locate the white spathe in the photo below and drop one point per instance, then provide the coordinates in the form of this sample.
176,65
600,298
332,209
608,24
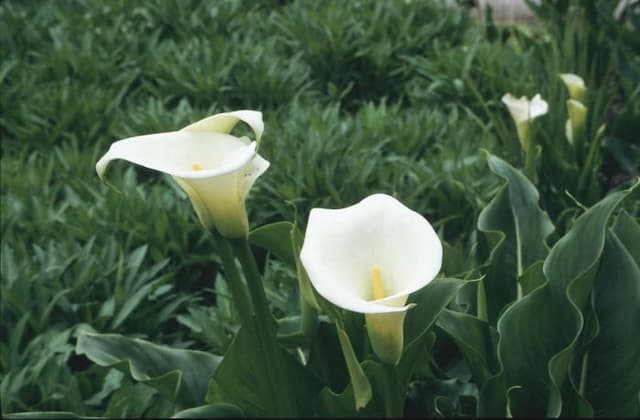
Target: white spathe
523,111
575,86
574,128
214,168
368,258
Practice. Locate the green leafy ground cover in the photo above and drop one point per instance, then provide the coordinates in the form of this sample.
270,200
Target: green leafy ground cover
358,98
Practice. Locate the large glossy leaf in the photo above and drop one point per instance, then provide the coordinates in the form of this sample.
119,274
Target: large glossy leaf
429,301
515,230
240,380
612,384
539,332
180,375
477,341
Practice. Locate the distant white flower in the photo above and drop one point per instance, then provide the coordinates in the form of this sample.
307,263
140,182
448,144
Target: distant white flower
368,258
576,121
523,111
214,168
575,86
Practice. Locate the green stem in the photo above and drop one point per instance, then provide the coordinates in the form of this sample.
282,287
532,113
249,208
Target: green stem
236,286
530,161
392,399
587,168
265,330
254,282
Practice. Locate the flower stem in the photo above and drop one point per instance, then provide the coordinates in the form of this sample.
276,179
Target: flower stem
236,286
587,169
530,161
265,329
392,399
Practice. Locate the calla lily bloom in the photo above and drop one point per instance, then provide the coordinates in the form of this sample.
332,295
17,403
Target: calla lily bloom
575,86
576,121
368,258
523,111
575,106
214,168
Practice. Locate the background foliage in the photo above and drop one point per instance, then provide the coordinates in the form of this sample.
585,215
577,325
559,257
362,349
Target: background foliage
358,98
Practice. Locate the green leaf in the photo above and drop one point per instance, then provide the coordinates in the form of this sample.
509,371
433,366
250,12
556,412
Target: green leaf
532,278
454,260
492,397
331,404
290,332
539,332
361,388
307,291
239,380
612,385
513,390
359,382
477,341
210,411
515,230
333,359
275,238
430,301
284,239
136,400
628,231
326,360
448,397
180,375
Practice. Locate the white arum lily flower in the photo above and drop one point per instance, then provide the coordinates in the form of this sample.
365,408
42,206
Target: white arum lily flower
576,109
575,86
523,111
574,128
368,258
214,168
